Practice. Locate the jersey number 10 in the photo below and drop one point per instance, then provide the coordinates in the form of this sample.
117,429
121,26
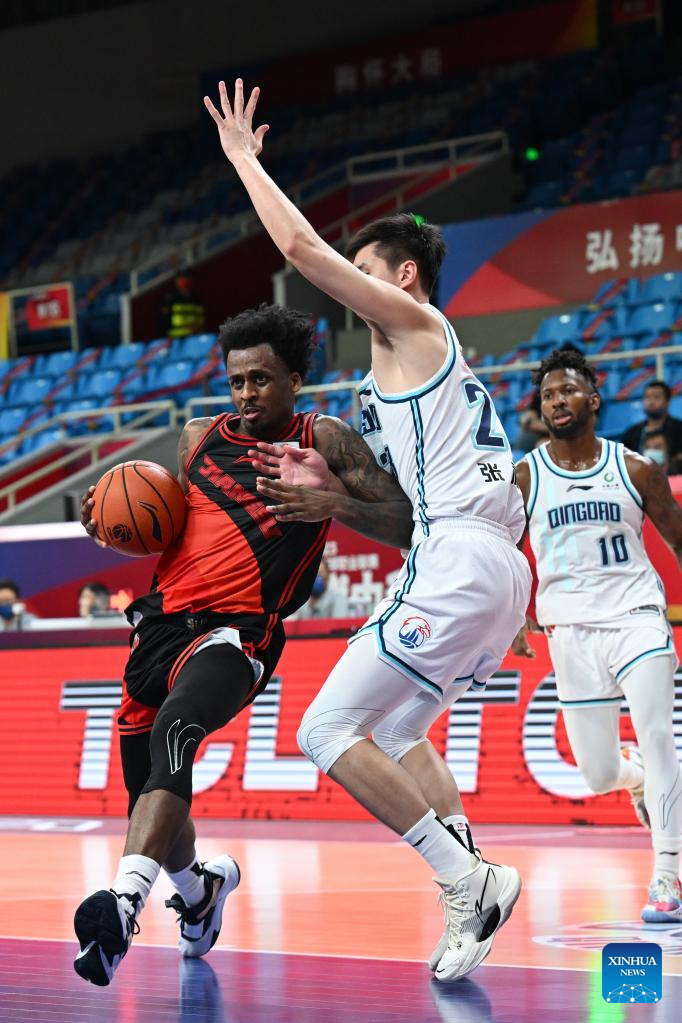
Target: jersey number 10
618,555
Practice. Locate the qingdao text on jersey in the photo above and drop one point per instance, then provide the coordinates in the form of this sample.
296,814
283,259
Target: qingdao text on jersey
586,535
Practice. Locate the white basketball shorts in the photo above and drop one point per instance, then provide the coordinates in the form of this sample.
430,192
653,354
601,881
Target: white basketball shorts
455,607
591,660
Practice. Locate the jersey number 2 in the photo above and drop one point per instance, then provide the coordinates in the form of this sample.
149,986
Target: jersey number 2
484,437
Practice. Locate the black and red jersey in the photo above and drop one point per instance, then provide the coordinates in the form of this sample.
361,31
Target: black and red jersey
233,557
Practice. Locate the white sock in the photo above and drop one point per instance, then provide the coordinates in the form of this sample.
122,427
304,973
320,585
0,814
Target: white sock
460,824
136,875
189,883
440,849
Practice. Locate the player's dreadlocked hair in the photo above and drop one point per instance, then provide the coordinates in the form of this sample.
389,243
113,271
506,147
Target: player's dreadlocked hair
402,236
288,332
566,358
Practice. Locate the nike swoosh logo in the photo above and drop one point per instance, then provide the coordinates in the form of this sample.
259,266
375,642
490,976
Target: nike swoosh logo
216,888
140,875
422,839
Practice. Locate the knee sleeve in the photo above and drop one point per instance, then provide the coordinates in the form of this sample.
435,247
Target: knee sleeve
173,743
396,744
209,690
325,735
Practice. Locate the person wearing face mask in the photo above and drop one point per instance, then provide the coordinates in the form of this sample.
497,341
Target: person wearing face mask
656,448
13,613
657,397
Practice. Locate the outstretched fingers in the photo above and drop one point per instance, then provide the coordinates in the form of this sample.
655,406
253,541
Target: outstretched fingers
251,105
224,101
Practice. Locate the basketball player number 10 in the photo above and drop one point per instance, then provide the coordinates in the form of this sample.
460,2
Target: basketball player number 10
620,551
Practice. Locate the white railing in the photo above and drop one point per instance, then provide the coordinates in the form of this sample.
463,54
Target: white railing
659,355
81,447
426,157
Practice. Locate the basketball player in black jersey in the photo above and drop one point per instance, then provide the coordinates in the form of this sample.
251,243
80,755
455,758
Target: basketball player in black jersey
207,637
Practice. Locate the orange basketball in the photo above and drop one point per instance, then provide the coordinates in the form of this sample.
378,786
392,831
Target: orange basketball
139,508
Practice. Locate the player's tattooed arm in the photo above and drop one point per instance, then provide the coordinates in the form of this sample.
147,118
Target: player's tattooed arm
192,433
357,492
659,504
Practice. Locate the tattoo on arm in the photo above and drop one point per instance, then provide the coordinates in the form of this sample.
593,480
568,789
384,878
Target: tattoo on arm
376,505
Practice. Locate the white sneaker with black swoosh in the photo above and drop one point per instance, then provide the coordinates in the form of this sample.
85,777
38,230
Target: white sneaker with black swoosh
200,924
476,905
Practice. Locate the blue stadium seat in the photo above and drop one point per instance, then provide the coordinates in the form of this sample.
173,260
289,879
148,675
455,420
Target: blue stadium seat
30,390
610,387
199,346
663,287
173,373
122,356
605,323
616,292
617,416
83,425
559,329
12,419
652,319
99,385
56,363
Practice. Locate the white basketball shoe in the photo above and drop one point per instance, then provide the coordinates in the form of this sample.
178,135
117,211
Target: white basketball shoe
200,924
475,906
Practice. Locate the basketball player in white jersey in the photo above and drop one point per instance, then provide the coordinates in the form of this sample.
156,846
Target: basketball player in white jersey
603,608
462,594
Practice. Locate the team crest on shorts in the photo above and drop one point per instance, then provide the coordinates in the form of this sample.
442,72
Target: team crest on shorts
414,632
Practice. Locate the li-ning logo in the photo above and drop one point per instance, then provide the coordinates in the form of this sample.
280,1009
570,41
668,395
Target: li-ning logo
156,525
177,738
414,631
632,972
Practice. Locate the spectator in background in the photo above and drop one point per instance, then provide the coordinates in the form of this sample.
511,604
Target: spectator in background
182,312
94,600
324,602
532,430
657,397
656,448
13,613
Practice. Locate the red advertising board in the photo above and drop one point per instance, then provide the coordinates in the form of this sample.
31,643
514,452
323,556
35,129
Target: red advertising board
506,746
49,308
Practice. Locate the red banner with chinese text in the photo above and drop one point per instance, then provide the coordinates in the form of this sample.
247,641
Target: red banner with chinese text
49,308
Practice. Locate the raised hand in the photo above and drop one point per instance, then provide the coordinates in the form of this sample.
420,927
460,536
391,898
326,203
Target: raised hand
89,524
302,467
237,136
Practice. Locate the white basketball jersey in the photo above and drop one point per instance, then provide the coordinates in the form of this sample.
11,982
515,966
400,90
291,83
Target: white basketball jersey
445,445
586,535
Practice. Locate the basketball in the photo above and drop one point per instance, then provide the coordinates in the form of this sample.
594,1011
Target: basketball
139,508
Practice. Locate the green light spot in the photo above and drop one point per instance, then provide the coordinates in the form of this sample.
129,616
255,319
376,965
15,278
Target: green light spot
532,154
